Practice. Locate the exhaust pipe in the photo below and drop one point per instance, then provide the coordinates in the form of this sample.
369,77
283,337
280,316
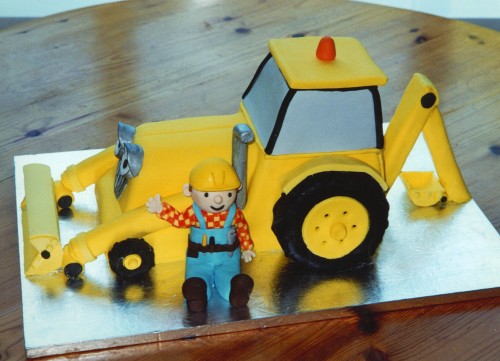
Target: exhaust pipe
242,136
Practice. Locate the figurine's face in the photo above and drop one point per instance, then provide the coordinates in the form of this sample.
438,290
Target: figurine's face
212,202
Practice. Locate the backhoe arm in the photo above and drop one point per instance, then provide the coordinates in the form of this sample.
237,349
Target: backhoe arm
418,112
442,156
419,100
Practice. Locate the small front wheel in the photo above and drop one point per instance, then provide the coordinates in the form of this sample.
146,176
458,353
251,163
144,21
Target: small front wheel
64,196
131,258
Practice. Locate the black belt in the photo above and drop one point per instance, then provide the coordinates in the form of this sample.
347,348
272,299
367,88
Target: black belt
195,248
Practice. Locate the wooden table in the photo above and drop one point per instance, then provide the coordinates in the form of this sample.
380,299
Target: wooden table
67,79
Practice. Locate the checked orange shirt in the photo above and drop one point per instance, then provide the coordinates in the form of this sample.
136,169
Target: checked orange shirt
188,219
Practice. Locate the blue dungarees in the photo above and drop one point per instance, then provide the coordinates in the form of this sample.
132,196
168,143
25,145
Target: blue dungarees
217,268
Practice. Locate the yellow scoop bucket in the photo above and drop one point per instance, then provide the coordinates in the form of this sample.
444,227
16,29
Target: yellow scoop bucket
42,246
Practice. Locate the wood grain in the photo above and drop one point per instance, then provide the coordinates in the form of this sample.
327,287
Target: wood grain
67,79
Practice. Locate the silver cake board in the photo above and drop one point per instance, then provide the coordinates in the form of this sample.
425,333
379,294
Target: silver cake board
428,256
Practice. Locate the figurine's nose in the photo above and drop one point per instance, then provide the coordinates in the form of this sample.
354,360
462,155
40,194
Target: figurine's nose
218,199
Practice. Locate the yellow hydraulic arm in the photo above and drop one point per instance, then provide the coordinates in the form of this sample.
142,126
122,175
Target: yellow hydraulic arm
418,112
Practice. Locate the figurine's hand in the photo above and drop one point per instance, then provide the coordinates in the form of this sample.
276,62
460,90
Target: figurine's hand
154,204
247,255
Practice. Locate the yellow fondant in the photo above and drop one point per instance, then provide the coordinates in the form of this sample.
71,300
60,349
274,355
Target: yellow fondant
331,163
109,207
60,191
414,115
78,178
352,67
334,227
442,155
423,188
42,246
132,261
172,148
406,125
77,251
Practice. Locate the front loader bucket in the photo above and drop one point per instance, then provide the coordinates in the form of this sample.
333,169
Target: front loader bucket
42,246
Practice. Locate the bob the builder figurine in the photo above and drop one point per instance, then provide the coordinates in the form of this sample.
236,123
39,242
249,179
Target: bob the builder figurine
219,235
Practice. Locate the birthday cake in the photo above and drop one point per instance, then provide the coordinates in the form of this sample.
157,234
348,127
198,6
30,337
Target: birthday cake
308,150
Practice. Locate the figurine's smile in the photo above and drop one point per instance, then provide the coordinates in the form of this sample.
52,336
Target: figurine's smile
217,209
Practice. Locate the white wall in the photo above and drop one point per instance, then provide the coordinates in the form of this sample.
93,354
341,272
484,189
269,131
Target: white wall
458,9
455,9
39,8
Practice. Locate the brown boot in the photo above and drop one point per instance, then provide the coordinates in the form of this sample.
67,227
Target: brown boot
241,288
194,291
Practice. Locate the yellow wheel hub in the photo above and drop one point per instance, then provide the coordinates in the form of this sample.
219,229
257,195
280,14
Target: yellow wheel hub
334,227
132,262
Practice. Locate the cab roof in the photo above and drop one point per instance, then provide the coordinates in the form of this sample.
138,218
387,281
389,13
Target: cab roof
352,67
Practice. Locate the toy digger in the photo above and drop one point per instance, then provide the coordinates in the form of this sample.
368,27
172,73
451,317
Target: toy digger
308,146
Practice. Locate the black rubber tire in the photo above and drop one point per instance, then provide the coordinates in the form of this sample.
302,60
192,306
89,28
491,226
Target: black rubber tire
128,247
65,202
291,210
73,270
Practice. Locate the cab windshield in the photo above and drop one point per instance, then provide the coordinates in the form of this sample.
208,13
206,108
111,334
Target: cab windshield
290,121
